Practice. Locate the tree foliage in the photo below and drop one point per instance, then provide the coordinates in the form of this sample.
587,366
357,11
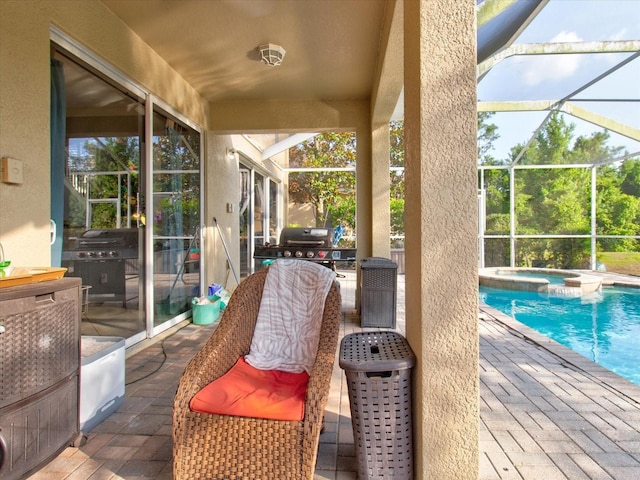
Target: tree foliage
177,164
102,158
332,193
487,134
548,201
557,201
396,181
112,168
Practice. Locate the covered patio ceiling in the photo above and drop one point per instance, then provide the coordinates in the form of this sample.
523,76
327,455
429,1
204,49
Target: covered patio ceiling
332,53
331,45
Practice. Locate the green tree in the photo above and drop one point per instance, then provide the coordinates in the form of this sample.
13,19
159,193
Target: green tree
487,134
630,176
396,181
396,159
177,163
495,185
618,212
332,194
496,190
558,200
593,149
551,201
115,163
396,207
552,144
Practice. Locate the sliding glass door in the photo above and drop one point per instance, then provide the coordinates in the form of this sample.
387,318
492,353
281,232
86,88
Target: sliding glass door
176,217
125,201
97,180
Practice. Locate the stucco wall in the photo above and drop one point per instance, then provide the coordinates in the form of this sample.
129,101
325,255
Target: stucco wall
221,187
25,103
24,131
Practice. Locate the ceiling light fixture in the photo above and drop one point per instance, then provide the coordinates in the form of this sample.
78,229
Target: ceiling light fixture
271,54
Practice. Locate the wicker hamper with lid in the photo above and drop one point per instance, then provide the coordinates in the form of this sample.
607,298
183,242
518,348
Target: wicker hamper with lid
378,370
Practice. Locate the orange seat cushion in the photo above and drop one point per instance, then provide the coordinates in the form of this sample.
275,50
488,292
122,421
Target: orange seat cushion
246,391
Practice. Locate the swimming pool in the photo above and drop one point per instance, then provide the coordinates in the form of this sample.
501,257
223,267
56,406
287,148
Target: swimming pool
602,326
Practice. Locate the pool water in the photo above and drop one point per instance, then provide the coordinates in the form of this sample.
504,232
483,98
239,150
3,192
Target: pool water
602,326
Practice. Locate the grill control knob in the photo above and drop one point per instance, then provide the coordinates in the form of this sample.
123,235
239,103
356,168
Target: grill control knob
82,254
298,254
287,253
113,253
91,254
102,254
310,254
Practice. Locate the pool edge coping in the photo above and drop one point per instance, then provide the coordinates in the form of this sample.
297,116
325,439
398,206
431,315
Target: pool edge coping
578,281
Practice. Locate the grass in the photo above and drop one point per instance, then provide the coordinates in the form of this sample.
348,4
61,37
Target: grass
621,262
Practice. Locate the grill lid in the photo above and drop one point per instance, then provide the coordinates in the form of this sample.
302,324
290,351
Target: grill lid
109,237
102,244
309,237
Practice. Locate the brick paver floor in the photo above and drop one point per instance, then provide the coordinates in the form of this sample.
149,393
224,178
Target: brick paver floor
546,413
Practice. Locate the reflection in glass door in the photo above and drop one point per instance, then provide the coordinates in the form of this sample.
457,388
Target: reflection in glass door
259,216
245,223
274,217
259,213
96,185
176,217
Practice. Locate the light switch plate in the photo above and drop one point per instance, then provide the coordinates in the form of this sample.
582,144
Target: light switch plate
12,170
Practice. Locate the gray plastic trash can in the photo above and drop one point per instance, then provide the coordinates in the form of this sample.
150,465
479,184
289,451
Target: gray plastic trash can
378,292
378,370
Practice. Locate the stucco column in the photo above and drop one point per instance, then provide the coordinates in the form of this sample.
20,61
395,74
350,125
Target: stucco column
364,212
441,231
380,191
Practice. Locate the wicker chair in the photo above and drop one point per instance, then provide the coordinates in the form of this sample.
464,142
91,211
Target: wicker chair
207,446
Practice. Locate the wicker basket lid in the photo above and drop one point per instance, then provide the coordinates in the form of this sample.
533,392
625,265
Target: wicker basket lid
374,351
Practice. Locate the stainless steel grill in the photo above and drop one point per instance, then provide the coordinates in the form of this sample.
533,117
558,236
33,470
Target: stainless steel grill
103,244
315,244
103,258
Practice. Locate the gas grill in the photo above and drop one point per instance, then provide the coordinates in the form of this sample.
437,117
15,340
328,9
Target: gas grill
314,244
102,258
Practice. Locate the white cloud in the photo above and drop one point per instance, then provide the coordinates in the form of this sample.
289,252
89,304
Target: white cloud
619,35
552,68
566,37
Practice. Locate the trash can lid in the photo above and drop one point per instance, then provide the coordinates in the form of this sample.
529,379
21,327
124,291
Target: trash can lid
374,351
377,262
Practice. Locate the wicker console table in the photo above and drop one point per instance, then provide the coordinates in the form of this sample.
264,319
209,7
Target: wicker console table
39,368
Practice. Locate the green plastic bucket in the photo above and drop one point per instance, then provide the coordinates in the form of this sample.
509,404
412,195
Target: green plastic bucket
206,314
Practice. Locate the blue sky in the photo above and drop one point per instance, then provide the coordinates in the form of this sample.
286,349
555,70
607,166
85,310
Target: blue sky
552,77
